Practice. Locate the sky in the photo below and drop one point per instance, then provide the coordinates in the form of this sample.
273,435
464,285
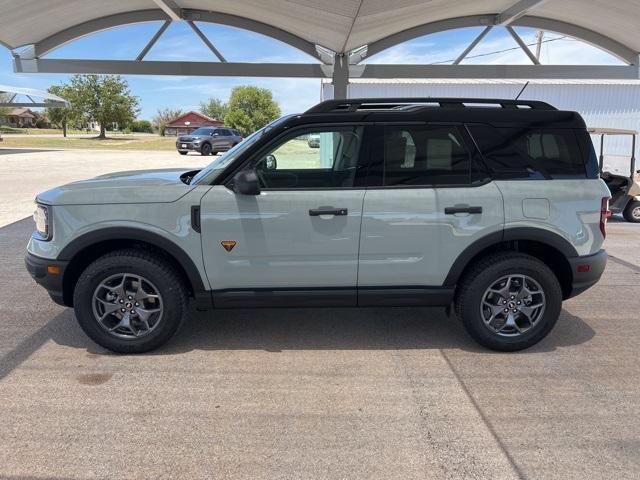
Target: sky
179,42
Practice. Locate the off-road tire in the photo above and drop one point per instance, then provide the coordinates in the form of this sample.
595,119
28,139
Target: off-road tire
632,211
482,274
138,262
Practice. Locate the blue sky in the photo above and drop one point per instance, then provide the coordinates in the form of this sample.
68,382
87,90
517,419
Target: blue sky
179,42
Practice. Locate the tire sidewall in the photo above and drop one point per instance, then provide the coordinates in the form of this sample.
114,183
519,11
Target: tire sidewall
206,149
471,308
172,302
628,214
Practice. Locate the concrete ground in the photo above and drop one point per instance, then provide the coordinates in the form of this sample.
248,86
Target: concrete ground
26,172
326,393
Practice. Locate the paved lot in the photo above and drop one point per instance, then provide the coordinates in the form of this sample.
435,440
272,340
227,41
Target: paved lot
327,393
26,172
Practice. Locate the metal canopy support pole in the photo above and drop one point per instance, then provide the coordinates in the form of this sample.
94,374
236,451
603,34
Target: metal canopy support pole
153,40
340,77
206,41
523,46
516,11
170,8
472,45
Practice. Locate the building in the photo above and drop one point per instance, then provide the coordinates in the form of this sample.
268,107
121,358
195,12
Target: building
190,121
602,103
19,117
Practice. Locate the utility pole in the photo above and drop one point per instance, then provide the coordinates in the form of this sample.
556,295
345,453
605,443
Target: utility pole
539,35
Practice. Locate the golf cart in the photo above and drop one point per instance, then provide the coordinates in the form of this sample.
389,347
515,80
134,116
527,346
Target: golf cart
624,187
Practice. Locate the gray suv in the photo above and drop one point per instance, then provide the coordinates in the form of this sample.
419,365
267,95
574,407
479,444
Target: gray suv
208,140
493,209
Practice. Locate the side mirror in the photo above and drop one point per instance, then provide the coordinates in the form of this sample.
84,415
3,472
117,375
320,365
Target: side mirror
246,183
215,134
270,162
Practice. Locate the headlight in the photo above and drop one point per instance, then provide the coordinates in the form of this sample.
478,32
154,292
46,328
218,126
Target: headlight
43,221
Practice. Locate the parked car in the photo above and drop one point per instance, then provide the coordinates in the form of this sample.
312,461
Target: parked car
313,141
494,207
625,188
208,140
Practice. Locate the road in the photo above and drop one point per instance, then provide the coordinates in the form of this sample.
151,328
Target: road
325,393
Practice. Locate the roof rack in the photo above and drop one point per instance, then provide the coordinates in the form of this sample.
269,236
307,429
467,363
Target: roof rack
356,104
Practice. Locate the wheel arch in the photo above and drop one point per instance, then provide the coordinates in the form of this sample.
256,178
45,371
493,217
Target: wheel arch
546,246
90,246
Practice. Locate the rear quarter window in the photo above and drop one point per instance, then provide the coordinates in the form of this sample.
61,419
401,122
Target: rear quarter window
533,153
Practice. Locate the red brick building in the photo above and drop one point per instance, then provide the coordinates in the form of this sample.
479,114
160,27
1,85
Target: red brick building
187,123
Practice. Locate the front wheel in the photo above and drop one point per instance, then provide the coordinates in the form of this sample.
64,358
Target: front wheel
130,301
205,149
632,211
509,301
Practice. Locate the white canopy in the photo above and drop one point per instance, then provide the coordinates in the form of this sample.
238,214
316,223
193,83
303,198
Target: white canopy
30,93
339,33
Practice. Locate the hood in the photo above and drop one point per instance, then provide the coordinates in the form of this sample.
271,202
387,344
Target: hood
141,186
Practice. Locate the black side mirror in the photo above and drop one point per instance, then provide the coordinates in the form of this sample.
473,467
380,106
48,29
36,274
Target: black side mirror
270,162
246,183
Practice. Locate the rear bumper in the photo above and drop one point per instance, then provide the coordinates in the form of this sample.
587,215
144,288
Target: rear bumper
53,283
594,266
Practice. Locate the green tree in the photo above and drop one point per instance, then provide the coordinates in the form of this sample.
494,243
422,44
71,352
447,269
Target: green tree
214,108
143,126
104,99
250,108
163,117
61,117
4,111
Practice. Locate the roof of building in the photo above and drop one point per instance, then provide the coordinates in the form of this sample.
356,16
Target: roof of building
339,25
193,118
22,112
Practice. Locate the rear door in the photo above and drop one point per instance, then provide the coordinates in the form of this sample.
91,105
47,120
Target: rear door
429,199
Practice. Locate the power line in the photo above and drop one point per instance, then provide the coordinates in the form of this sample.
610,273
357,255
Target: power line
500,51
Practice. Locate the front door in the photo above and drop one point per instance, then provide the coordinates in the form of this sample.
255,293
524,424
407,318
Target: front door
299,237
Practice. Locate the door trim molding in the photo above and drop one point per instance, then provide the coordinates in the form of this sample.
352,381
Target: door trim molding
333,297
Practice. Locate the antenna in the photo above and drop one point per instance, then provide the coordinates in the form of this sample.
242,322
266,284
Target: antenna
523,88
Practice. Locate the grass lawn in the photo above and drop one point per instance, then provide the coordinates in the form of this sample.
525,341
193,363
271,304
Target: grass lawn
37,131
124,142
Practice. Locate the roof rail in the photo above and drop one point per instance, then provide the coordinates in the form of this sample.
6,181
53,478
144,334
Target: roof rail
355,104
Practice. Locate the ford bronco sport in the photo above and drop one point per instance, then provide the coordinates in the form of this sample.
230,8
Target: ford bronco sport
494,207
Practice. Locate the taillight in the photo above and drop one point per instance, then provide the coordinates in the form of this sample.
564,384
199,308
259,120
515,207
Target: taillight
605,213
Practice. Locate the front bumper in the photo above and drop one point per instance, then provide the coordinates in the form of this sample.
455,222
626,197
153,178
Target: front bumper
188,147
587,271
41,270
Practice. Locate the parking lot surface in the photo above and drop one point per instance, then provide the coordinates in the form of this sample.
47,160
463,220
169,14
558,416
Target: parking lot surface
26,172
324,393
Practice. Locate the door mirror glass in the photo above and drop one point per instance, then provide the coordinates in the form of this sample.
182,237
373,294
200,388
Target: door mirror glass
215,134
246,183
270,162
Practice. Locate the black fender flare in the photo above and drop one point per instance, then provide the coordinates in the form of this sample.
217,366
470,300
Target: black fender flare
539,235
135,234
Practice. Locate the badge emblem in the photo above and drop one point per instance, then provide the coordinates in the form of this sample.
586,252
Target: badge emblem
228,245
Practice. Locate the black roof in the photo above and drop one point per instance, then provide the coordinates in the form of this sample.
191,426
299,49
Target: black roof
498,112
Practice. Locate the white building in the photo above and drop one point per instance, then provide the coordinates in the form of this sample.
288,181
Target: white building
602,103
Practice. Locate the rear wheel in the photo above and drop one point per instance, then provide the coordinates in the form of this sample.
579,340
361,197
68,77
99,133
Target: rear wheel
509,301
205,149
130,301
632,211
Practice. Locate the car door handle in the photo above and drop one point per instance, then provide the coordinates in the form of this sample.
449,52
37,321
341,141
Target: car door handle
316,212
462,209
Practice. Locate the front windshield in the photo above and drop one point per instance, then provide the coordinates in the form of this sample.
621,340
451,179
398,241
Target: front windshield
201,131
211,171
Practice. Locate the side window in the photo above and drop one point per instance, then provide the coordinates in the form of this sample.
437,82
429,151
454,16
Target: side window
530,153
224,132
425,155
312,159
